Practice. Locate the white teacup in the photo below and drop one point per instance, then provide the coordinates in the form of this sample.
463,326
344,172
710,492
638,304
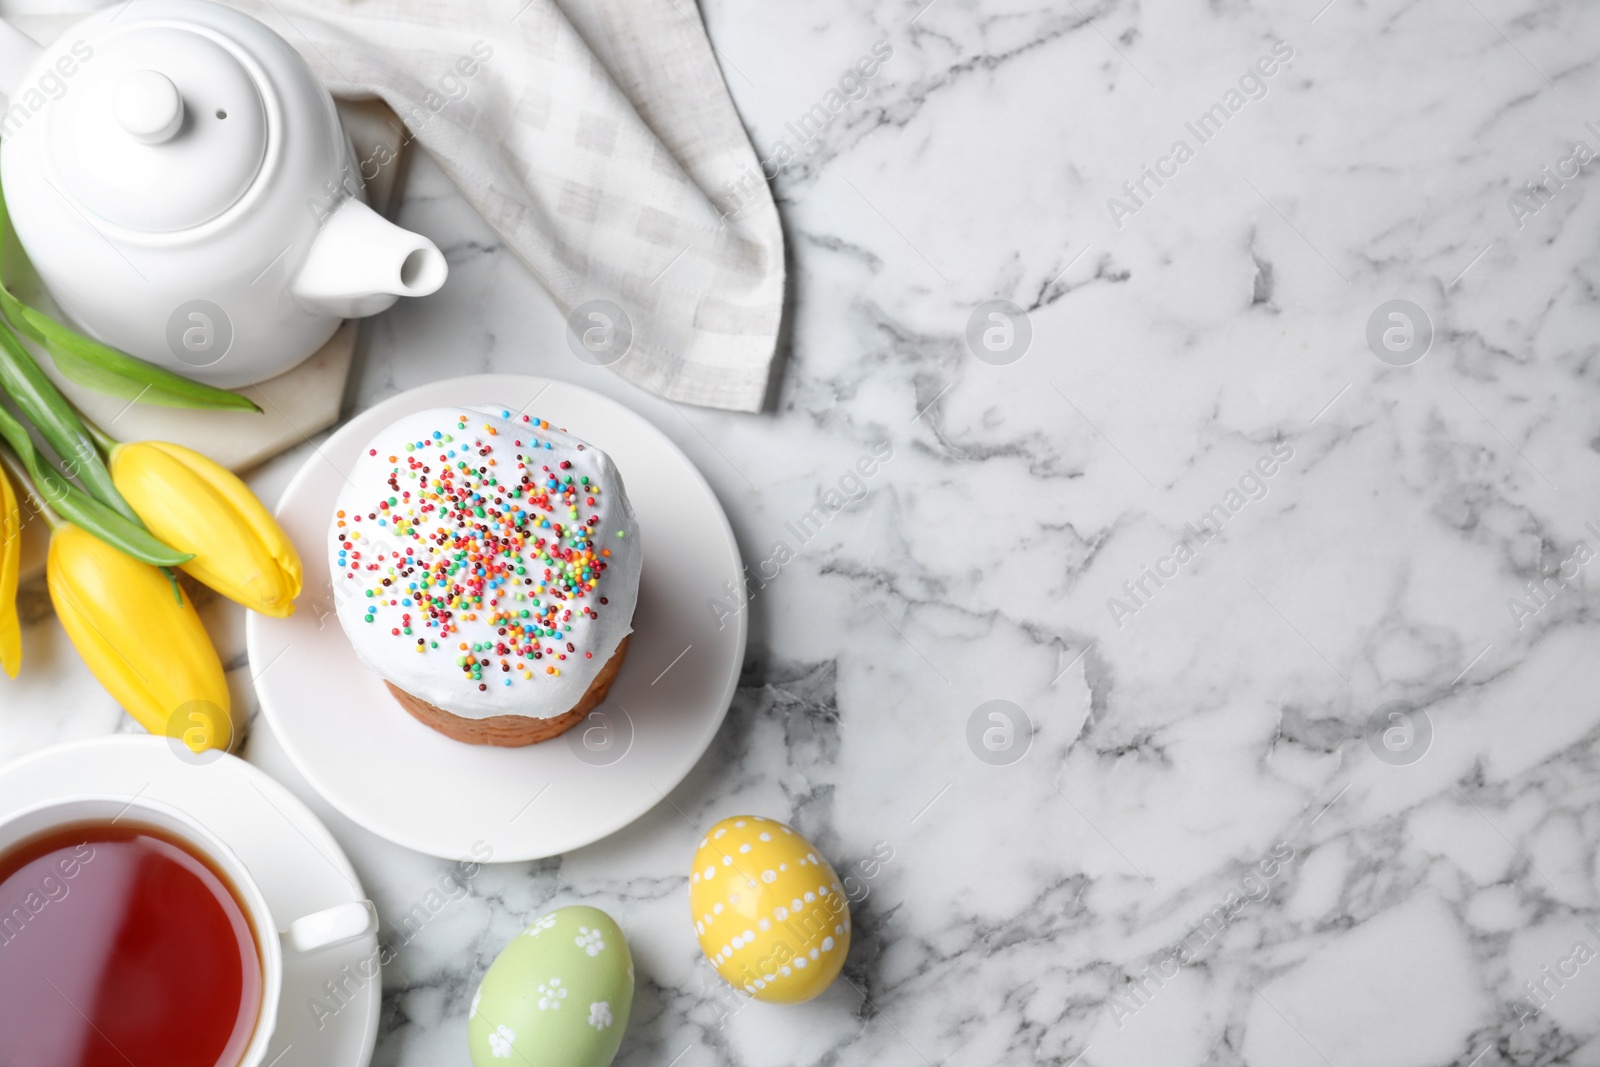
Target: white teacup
304,934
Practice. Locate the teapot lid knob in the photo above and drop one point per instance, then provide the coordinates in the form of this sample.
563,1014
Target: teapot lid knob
148,106
165,130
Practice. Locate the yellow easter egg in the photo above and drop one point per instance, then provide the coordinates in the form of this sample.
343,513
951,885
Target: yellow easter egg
771,914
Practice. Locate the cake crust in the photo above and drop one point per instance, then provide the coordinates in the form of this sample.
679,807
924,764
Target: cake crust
514,731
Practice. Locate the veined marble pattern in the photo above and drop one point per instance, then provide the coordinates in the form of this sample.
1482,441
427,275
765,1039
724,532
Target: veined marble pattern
1200,858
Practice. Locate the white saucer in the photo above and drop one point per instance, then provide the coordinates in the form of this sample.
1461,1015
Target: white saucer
416,787
290,854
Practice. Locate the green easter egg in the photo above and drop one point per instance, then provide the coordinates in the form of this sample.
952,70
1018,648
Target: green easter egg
557,996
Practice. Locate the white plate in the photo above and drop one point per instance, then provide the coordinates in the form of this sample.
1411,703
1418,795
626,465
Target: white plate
418,788
289,853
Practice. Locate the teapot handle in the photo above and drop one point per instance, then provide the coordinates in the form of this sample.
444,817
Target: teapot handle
17,53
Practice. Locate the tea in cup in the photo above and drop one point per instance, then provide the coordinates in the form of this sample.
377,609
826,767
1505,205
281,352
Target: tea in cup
129,933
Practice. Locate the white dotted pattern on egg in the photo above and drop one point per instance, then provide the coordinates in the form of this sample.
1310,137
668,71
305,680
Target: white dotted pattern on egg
792,932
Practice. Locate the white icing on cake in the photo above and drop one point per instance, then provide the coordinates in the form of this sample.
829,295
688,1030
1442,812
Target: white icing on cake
420,514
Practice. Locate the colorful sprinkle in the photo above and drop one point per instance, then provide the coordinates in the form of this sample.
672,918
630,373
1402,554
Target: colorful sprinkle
485,532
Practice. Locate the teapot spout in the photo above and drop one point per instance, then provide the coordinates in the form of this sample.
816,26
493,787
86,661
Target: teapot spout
17,53
361,263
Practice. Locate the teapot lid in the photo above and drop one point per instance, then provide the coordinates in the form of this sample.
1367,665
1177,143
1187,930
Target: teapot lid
167,130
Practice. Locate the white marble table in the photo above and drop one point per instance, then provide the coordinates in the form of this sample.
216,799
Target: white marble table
1088,896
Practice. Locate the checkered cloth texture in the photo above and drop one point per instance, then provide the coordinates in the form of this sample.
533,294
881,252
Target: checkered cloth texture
599,139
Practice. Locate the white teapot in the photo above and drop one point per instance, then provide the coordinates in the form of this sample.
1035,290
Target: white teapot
183,185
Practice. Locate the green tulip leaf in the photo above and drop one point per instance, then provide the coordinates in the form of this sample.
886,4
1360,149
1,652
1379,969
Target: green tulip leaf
56,421
105,369
81,509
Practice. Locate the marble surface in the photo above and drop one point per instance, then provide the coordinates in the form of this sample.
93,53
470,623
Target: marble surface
1208,841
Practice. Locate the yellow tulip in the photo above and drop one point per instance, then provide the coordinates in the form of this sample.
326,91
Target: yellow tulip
10,564
197,506
145,645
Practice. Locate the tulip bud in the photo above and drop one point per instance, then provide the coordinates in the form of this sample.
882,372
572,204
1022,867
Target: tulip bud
10,565
139,636
197,506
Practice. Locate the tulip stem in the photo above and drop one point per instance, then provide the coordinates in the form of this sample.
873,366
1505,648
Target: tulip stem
76,506
104,440
19,474
42,404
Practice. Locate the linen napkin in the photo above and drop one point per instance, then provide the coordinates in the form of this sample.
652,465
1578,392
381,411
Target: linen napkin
599,139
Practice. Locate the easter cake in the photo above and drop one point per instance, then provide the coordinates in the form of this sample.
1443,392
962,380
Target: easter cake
486,566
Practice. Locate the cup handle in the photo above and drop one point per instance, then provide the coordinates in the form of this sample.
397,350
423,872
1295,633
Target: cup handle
333,926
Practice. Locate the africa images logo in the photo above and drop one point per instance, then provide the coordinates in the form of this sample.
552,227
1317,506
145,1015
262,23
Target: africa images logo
1206,126
1252,486
51,86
